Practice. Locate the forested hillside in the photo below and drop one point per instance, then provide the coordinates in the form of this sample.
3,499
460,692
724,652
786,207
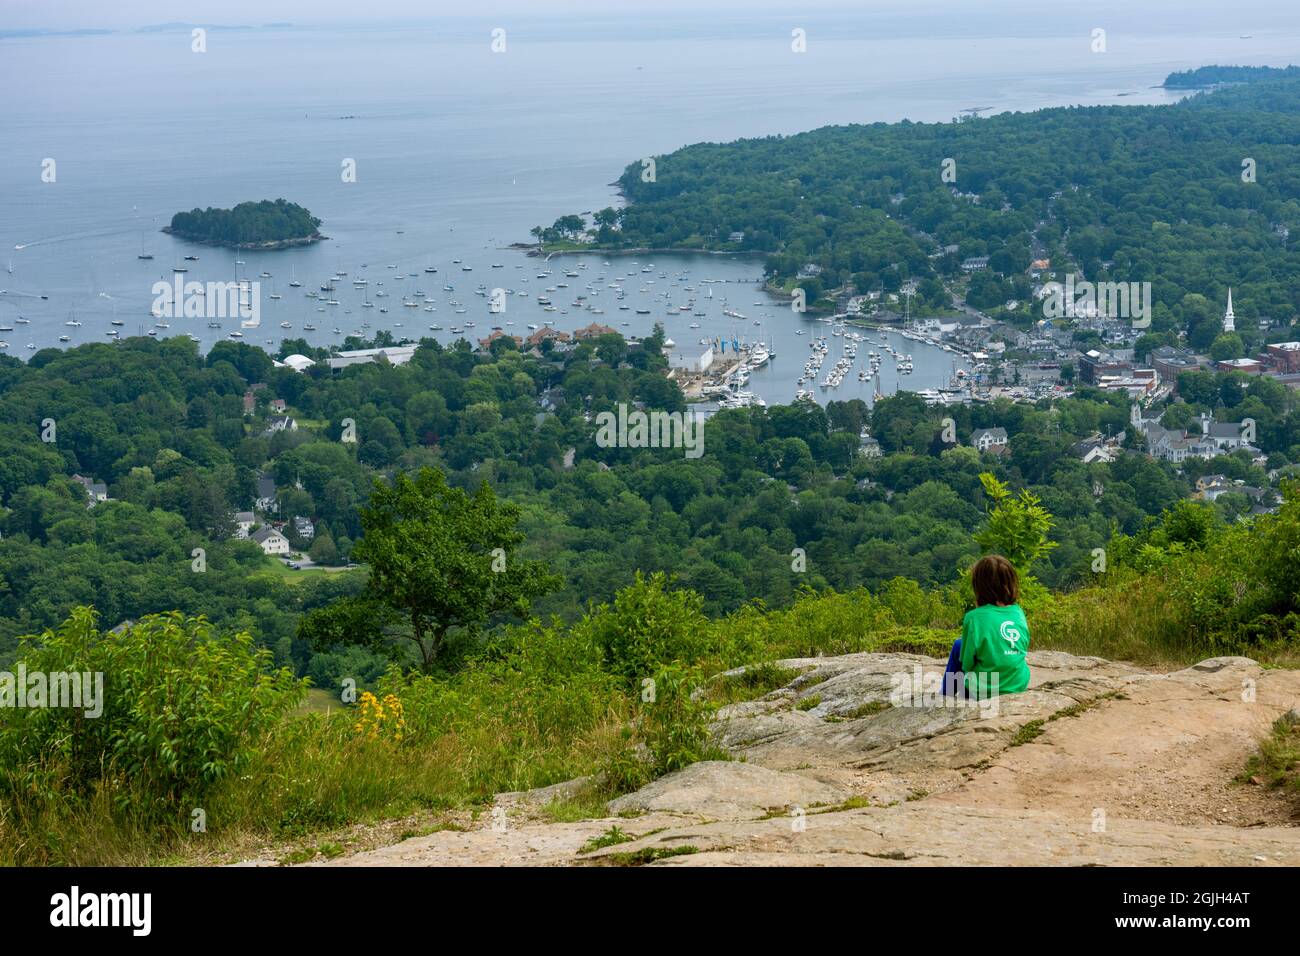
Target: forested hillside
165,429
1127,193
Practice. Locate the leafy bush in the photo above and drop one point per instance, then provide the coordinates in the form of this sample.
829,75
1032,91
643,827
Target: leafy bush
675,723
647,627
182,709
670,731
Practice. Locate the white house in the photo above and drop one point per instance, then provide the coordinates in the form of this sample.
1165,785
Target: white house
96,491
271,541
1225,436
989,439
941,326
244,522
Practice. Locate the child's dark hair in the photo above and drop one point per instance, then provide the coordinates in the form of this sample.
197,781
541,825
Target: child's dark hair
995,581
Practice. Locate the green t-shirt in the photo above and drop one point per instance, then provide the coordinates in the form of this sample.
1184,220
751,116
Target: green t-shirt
994,641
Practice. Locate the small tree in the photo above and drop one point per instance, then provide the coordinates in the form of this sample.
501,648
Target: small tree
322,549
1017,527
439,559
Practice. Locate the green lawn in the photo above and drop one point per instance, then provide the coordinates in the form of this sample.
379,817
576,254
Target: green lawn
280,569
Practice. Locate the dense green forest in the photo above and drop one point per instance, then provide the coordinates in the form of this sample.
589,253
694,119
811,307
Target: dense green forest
164,427
249,223
1123,193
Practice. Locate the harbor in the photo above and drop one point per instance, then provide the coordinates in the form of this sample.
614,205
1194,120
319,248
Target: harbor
759,351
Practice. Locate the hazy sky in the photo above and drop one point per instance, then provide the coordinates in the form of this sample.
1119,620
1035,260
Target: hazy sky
64,14
987,16
74,14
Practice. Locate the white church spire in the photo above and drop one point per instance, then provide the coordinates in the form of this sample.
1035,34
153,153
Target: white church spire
1229,320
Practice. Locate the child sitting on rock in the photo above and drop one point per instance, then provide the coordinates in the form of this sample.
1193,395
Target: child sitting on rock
989,657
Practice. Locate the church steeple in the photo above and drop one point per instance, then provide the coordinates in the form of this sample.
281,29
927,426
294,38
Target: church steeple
1229,320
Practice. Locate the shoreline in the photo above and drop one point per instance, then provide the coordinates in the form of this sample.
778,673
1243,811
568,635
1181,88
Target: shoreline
272,245
530,249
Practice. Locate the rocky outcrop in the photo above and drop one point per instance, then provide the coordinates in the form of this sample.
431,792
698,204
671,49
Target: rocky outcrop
853,762
729,790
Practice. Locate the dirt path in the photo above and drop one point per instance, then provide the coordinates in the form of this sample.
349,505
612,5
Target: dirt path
1168,752
1097,763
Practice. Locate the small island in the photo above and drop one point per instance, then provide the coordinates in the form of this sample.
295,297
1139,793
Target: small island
250,225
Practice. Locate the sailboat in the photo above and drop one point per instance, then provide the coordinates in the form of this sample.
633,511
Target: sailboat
142,255
293,280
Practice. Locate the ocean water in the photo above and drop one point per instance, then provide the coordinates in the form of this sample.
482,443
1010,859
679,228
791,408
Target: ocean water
460,150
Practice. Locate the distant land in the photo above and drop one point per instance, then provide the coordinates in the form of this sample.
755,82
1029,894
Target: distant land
174,27
41,32
277,224
34,32
1205,76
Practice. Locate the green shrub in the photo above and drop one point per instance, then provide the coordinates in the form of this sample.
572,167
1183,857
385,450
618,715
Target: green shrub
675,724
183,709
1277,764
647,627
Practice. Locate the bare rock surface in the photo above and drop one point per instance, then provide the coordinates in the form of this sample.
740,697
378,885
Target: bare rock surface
729,790
853,763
